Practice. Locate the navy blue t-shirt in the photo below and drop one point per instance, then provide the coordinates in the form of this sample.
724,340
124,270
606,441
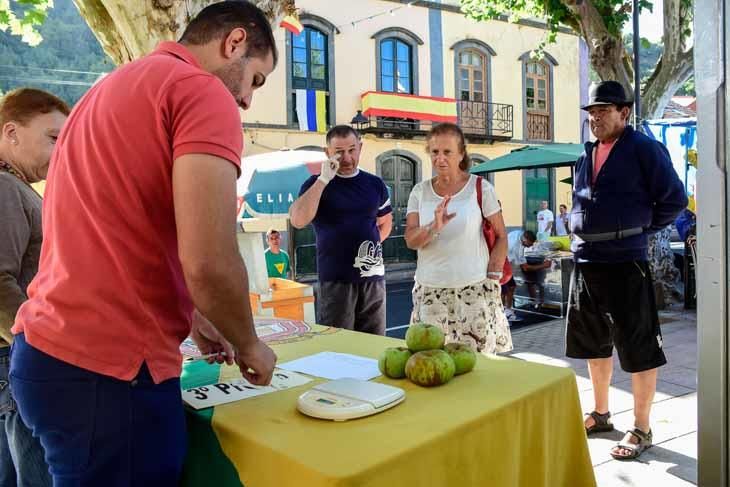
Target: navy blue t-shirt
348,241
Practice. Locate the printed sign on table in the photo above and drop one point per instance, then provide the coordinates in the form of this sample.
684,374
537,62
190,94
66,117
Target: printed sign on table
239,389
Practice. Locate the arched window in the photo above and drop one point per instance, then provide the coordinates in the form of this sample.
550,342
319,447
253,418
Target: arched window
400,171
472,60
477,159
537,76
309,60
310,63
396,54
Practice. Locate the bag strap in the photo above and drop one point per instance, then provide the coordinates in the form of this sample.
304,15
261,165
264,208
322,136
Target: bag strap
479,193
479,202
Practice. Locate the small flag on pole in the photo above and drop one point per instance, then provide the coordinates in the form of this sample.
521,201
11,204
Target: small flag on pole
312,110
292,24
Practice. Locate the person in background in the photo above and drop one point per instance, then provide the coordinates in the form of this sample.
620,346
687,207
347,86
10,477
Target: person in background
30,121
624,189
457,277
351,214
277,260
562,221
684,223
518,241
545,219
139,231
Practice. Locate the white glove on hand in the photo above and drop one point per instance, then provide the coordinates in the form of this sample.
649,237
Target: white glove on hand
329,169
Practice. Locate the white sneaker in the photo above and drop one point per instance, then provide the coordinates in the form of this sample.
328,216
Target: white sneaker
510,314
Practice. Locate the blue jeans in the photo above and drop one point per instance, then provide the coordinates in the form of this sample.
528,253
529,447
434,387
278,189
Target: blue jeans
98,430
21,455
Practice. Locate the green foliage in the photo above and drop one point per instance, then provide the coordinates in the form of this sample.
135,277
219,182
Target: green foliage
22,18
615,13
66,63
688,88
554,12
648,59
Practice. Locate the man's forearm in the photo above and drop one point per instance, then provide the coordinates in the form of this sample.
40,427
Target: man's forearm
385,228
304,209
498,254
220,293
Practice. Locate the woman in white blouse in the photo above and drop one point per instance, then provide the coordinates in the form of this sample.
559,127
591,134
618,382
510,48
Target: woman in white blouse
457,280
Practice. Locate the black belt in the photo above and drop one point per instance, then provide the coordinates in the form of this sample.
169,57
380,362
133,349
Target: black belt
617,235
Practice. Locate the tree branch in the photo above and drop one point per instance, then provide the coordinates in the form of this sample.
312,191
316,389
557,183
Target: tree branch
128,30
664,82
606,50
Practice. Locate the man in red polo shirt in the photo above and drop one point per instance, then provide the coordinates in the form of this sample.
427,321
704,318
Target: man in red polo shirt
139,220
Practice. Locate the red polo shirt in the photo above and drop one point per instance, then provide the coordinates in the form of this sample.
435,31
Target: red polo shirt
110,293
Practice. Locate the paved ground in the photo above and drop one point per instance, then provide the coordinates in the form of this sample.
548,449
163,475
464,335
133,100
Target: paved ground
672,462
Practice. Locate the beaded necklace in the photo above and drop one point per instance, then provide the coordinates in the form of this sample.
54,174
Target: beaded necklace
4,166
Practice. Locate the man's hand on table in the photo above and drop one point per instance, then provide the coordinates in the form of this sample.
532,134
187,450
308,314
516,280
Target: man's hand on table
209,340
256,361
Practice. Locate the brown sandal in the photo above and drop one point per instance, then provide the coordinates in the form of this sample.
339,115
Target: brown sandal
601,423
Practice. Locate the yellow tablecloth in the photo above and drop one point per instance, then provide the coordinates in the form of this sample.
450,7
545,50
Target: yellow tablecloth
507,423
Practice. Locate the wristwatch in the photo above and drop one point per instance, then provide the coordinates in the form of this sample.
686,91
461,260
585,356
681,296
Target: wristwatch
495,275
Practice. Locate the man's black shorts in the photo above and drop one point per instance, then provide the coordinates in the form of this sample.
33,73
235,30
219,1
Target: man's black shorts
614,305
511,284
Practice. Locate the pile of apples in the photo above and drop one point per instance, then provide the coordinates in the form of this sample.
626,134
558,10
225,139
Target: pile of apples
426,361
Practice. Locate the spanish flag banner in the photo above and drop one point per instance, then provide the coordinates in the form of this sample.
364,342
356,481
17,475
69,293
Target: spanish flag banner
292,24
312,110
379,104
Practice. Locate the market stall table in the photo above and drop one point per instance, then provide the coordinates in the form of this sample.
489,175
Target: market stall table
507,423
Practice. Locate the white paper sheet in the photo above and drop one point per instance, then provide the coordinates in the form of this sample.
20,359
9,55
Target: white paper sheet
238,389
334,365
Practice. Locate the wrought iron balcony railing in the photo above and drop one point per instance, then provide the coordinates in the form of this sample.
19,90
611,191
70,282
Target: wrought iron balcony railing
481,121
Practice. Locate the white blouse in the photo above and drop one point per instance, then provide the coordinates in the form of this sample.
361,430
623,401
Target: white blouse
458,257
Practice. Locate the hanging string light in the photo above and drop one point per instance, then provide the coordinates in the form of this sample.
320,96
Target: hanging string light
390,11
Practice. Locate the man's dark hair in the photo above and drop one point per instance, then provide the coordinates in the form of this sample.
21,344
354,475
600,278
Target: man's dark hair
219,19
530,236
341,132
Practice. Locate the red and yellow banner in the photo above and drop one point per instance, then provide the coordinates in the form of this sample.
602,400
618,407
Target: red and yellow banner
292,24
379,104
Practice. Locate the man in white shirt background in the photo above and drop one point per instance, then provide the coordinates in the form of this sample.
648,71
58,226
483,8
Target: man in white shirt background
561,222
545,219
517,242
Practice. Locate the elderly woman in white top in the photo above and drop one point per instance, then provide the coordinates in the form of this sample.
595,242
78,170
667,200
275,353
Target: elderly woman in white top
457,280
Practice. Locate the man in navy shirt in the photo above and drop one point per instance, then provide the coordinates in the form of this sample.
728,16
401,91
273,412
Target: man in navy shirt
625,188
351,213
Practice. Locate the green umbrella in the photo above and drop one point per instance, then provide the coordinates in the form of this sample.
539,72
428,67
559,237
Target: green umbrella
533,157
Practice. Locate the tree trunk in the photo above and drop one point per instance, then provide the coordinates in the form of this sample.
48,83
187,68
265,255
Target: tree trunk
130,29
673,68
606,50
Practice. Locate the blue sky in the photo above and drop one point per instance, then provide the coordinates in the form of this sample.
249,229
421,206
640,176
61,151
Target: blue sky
650,23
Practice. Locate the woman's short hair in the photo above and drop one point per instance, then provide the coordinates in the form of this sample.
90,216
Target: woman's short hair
24,104
447,128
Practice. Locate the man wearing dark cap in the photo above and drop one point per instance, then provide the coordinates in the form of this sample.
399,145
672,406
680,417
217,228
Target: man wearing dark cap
625,188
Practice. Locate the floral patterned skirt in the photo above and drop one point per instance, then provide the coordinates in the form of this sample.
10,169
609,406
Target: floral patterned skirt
473,314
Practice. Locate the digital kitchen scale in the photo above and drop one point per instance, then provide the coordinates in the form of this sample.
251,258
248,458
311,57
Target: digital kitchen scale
343,399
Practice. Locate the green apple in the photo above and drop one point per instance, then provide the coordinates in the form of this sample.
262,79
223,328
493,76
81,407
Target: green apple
422,336
392,362
430,368
465,358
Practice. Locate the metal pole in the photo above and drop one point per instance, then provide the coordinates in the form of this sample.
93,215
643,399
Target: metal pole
637,74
